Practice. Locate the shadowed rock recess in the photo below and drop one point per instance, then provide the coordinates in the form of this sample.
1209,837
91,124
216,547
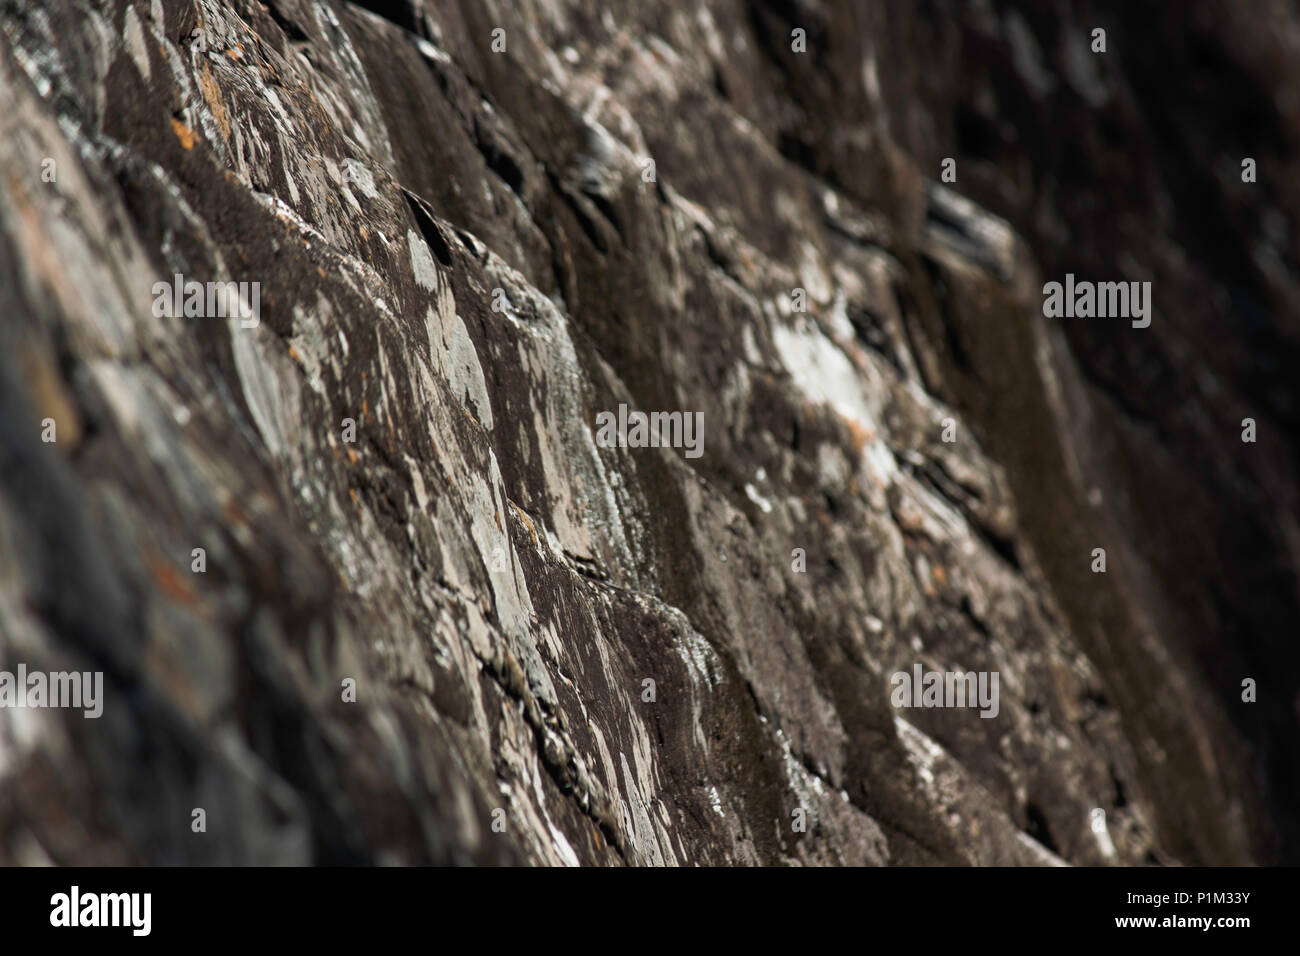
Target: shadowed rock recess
470,253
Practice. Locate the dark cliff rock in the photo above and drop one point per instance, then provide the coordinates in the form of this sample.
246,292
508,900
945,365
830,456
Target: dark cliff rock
465,254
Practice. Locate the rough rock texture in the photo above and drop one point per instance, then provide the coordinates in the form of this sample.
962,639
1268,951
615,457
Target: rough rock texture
498,586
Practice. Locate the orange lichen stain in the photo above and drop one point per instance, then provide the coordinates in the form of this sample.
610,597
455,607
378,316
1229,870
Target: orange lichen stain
352,456
212,96
235,51
499,528
169,580
49,395
234,513
293,354
352,493
364,405
909,518
183,133
528,523
365,236
859,433
940,575
321,272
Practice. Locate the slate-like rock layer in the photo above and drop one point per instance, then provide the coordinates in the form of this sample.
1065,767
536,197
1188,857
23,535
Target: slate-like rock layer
498,586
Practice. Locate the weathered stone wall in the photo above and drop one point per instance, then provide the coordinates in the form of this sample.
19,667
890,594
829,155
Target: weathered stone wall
467,255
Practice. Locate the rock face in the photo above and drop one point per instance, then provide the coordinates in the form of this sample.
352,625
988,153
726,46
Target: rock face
363,583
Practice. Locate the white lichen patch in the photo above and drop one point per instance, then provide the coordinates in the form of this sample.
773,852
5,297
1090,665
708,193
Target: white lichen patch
825,374
426,273
758,499
133,40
